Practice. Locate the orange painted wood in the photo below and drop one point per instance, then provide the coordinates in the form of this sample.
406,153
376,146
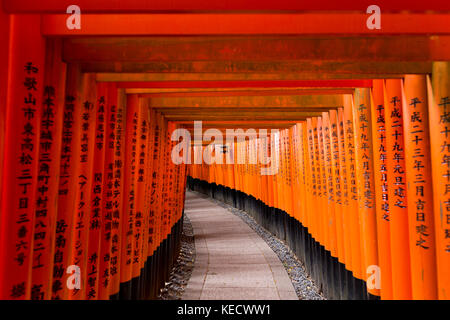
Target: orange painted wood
140,215
284,172
136,6
295,168
227,92
345,191
162,180
306,173
118,194
152,153
129,189
335,195
355,234
289,172
156,172
274,147
325,212
270,179
313,228
107,195
125,52
170,208
81,224
69,173
380,154
438,108
419,188
317,180
231,162
4,65
94,257
21,145
365,180
298,168
328,183
50,139
249,84
397,196
236,167
238,24
147,148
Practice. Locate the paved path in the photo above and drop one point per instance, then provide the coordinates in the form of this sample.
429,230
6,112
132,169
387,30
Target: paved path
232,261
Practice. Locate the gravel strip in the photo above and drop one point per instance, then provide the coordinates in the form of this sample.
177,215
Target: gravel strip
182,270
304,286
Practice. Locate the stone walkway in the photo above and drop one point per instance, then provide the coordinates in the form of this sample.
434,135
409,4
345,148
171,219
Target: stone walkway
232,261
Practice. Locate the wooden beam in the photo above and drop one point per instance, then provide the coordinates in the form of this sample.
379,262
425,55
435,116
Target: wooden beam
250,84
234,124
245,24
239,124
293,48
243,115
219,92
301,102
237,110
252,70
139,6
256,126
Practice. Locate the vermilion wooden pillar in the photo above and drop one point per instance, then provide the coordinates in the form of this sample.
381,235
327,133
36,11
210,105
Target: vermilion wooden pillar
260,179
69,175
21,147
118,195
231,176
272,178
171,209
349,139
288,172
330,221
161,177
317,181
154,210
438,109
345,191
139,217
150,185
48,172
141,223
397,196
337,184
235,165
307,176
300,174
4,65
107,195
381,187
282,197
325,213
419,188
81,223
278,177
97,194
310,124
129,194
365,180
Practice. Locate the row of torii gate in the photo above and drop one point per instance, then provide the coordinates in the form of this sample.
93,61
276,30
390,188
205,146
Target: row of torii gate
91,203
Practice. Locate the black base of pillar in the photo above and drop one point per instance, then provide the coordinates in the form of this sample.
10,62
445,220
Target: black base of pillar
156,269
